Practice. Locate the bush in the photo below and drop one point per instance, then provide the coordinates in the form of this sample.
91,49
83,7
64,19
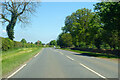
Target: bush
65,40
17,44
7,44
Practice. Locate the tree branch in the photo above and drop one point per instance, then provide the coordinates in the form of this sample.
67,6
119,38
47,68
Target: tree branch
6,7
13,7
9,5
18,6
23,9
3,17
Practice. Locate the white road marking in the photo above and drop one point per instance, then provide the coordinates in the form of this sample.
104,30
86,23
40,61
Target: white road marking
92,57
38,53
17,71
59,52
69,57
84,65
92,70
22,66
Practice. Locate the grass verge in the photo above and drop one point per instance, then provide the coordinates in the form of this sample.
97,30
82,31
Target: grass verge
11,59
94,54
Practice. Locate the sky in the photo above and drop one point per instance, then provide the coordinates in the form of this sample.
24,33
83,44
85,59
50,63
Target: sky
69,0
45,25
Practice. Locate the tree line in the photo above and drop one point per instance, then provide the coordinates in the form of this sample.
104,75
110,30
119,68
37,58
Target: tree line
52,43
10,44
87,29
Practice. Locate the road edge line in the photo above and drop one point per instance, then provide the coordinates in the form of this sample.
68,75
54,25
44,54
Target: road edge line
17,71
21,67
38,53
92,70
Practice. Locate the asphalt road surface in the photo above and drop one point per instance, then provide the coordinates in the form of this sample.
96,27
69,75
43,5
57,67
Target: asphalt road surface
56,63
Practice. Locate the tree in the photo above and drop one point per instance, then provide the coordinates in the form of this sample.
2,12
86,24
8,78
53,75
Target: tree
111,9
95,31
65,40
38,43
23,41
53,42
77,25
16,11
111,23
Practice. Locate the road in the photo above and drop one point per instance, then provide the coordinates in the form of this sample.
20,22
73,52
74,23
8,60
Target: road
56,63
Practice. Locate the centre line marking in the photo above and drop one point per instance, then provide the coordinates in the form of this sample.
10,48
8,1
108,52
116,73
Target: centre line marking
92,70
86,66
59,52
17,71
69,57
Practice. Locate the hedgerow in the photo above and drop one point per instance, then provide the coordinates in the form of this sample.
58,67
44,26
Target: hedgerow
9,44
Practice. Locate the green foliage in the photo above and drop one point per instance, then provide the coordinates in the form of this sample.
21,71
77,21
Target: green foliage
111,9
82,25
23,41
38,43
13,58
17,44
7,44
10,44
65,40
95,29
98,42
53,42
109,13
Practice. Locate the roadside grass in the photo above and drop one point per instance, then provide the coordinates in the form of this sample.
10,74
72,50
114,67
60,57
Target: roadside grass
92,54
12,59
0,63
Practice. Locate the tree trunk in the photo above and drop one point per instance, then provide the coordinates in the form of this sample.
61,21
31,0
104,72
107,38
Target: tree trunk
10,27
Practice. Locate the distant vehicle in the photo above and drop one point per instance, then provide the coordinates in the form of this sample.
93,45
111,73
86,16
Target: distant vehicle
57,47
54,47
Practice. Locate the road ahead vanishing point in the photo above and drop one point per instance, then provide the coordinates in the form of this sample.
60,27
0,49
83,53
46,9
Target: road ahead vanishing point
56,63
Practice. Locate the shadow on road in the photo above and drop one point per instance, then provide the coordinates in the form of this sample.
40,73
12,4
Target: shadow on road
100,52
96,55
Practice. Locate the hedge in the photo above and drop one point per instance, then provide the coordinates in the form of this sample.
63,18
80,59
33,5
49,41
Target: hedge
9,44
